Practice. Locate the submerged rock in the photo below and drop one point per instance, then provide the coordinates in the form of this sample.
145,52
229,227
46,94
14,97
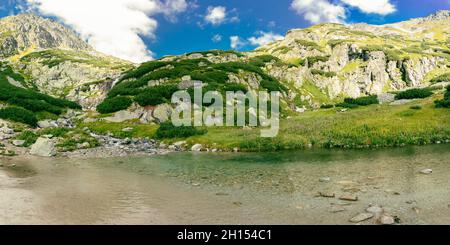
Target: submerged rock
18,143
387,219
349,198
426,171
361,217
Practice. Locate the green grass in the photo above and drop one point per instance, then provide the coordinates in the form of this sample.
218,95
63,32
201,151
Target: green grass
371,126
309,44
442,78
139,130
315,59
323,73
52,58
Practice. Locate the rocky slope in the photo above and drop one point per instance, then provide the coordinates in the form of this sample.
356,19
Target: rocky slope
55,60
362,59
312,67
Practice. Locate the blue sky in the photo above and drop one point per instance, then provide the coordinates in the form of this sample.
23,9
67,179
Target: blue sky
155,28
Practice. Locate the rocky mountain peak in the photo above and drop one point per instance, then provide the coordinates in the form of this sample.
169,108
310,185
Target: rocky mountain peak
438,16
24,31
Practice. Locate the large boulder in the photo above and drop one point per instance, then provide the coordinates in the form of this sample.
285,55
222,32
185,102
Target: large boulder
47,124
125,115
43,147
162,113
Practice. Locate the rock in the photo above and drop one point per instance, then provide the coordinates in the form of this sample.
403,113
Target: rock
125,115
197,147
375,210
426,171
386,219
48,136
163,112
236,149
7,130
180,144
18,143
361,217
325,179
43,147
337,209
127,129
386,98
84,145
47,124
349,198
327,194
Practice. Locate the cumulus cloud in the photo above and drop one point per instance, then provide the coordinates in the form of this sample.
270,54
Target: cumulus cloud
265,38
318,11
216,15
382,7
237,42
217,38
113,27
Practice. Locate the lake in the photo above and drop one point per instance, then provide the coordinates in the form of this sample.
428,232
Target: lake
228,188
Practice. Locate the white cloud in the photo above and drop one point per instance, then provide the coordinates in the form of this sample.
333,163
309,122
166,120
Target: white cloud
113,27
216,15
318,11
382,7
217,38
237,42
265,38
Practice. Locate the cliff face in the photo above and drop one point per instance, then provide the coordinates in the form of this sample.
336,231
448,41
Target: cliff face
25,31
55,60
362,59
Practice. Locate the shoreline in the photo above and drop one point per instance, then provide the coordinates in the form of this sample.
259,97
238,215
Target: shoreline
120,151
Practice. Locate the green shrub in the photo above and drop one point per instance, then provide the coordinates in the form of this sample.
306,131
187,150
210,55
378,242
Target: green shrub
326,106
363,101
442,103
144,69
35,105
441,78
29,137
315,59
416,93
18,114
323,73
169,131
262,60
156,95
445,103
347,105
308,44
335,42
235,87
115,104
272,86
